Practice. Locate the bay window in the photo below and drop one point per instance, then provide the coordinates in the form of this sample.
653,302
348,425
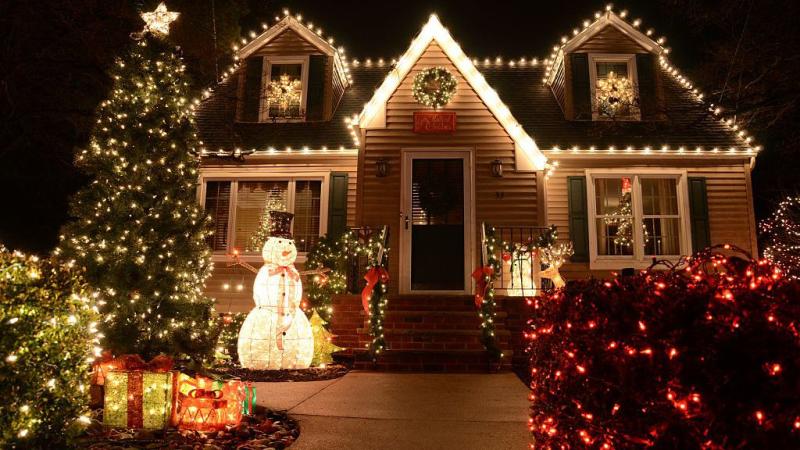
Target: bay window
635,217
239,206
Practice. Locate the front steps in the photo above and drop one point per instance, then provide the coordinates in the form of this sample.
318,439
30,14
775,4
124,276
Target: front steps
422,332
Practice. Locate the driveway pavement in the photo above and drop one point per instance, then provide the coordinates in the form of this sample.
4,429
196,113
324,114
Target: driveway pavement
376,410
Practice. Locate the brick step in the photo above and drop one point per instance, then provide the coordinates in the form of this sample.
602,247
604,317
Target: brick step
430,339
446,320
432,303
464,361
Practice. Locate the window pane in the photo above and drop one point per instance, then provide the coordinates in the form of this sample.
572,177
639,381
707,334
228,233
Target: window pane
252,199
661,237
615,236
285,90
659,196
218,199
613,196
307,204
619,68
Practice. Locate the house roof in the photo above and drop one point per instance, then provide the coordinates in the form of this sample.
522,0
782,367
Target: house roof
530,102
514,92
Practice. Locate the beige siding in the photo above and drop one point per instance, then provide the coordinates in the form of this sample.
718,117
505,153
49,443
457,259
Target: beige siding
511,200
237,301
730,206
610,40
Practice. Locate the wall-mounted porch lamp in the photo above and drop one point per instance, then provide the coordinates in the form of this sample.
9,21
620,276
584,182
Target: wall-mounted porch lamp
382,167
497,168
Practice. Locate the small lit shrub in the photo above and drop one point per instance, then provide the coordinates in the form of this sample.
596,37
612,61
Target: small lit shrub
46,343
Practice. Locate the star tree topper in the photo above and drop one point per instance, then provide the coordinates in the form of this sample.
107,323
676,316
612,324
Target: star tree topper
158,21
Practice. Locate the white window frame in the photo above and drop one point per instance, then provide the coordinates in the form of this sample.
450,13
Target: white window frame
627,58
639,259
287,174
266,78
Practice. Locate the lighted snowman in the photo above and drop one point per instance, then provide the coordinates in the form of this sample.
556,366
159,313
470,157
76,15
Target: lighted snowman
522,277
276,334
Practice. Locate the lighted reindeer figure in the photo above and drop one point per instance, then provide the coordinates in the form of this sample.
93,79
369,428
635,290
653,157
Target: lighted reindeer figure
554,257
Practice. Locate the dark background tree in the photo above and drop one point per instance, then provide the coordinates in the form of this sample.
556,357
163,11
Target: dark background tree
54,57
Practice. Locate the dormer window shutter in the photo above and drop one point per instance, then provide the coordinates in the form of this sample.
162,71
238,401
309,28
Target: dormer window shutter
315,97
581,91
251,101
648,97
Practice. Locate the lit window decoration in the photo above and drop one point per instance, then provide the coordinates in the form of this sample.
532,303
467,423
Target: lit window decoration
434,87
159,20
285,92
615,96
276,334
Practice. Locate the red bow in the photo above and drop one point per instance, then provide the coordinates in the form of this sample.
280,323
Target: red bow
373,275
107,363
480,280
289,272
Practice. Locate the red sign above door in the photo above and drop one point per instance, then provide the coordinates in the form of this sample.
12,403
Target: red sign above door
433,122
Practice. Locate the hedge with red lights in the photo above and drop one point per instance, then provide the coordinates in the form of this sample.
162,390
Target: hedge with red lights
703,355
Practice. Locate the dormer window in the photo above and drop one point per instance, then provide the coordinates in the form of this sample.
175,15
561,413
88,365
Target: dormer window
285,89
614,87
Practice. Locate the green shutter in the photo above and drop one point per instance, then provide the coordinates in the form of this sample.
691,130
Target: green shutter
581,91
251,103
315,97
578,218
337,204
646,74
698,207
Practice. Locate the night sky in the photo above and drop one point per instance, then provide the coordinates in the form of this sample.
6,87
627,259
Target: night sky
53,57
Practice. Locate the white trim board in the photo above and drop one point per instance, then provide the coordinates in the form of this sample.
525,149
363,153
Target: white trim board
528,157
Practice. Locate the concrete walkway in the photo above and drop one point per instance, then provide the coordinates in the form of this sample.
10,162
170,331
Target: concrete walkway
368,410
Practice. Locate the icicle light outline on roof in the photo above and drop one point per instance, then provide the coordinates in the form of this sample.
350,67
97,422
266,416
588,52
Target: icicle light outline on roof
609,17
374,110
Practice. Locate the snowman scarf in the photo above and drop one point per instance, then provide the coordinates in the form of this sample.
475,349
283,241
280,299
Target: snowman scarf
290,278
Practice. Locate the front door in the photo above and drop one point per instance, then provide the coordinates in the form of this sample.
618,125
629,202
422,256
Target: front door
435,221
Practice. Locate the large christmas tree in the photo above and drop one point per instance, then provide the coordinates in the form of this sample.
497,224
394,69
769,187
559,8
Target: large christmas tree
138,231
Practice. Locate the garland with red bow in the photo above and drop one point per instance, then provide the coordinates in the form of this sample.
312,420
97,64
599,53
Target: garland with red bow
484,294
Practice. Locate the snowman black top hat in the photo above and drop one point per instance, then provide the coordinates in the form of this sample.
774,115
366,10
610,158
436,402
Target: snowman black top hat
281,224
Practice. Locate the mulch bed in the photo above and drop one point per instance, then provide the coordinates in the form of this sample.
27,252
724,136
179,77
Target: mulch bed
265,430
329,372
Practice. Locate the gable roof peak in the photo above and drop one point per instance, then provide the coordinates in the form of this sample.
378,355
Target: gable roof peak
528,155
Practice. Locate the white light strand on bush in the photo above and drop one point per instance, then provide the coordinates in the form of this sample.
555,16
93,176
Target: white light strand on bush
557,56
435,31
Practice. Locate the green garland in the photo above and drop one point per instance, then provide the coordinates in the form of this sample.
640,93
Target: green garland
378,301
434,87
487,310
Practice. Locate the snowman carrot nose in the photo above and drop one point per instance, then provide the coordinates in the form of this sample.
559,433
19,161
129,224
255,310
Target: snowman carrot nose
286,253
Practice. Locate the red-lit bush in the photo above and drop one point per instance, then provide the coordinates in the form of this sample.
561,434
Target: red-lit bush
701,356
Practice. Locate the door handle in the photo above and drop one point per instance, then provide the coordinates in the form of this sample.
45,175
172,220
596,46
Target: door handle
406,221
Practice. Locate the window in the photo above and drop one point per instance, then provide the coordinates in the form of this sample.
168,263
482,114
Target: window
615,95
285,81
637,216
238,208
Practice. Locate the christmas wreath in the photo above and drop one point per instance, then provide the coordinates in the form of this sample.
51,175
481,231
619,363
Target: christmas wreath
434,87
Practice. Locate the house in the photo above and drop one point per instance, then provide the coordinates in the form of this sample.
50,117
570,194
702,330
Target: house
604,138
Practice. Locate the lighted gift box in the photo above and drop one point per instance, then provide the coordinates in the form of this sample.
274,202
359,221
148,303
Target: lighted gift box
239,397
138,399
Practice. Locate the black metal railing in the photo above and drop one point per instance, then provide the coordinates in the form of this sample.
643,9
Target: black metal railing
519,274
358,263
